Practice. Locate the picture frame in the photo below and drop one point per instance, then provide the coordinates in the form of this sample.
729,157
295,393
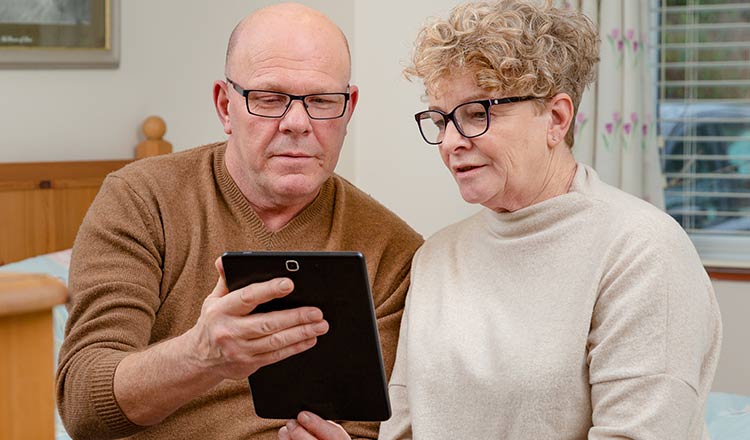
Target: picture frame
70,34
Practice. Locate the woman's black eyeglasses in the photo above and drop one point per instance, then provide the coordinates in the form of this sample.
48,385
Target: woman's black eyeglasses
471,119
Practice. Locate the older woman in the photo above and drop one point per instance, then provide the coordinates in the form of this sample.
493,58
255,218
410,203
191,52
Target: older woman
567,309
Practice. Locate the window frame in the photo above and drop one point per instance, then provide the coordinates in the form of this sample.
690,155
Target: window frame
725,255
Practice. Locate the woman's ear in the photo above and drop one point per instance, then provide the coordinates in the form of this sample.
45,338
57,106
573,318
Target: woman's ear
221,103
560,109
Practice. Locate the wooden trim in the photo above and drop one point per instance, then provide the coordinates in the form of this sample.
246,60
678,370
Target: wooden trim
729,274
21,185
53,171
26,293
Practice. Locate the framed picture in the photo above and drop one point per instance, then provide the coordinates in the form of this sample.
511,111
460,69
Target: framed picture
59,34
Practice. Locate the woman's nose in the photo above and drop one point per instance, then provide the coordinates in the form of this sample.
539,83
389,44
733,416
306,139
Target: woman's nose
453,139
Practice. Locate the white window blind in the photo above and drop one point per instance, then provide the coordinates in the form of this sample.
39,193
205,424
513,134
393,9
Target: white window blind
703,71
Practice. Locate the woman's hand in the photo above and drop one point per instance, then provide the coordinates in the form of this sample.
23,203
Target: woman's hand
308,426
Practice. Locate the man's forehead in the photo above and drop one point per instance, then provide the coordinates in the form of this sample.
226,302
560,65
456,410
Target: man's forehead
293,47
283,65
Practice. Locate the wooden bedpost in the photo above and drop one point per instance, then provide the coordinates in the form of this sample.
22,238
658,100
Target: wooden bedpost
154,128
27,405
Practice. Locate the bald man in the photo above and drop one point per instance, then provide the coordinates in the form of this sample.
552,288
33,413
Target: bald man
156,346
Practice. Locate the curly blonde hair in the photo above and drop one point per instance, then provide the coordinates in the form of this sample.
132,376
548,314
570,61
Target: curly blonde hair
514,47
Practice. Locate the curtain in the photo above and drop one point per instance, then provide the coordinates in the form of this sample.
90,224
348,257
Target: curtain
615,128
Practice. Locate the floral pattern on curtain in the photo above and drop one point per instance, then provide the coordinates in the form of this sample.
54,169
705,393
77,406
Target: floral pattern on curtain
615,127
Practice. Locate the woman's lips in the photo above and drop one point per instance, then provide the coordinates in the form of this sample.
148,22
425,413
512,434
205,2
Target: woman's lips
466,169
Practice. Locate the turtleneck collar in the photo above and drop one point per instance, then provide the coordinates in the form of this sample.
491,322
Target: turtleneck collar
544,215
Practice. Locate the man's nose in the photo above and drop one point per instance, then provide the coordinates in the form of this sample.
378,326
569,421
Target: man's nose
296,118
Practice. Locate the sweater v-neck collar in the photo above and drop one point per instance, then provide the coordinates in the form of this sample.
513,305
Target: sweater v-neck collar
285,237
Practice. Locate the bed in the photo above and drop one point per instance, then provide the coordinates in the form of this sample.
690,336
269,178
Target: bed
45,203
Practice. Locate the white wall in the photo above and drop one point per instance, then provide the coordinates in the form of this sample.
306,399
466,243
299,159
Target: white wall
733,372
392,162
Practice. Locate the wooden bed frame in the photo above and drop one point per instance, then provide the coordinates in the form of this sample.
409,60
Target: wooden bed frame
43,204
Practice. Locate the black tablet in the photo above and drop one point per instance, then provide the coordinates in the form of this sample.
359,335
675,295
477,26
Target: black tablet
342,376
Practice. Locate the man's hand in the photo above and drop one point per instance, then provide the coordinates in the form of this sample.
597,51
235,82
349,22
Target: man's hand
309,426
229,340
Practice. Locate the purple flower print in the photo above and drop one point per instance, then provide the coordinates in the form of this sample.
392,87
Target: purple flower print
612,129
626,128
644,129
580,122
633,117
616,42
630,37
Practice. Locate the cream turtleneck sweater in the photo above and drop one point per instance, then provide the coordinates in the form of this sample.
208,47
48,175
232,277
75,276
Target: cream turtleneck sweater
588,315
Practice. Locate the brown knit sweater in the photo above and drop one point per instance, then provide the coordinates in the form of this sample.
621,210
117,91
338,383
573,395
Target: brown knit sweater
142,265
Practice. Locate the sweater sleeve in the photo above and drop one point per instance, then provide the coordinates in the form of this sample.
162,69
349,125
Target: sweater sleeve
654,339
115,275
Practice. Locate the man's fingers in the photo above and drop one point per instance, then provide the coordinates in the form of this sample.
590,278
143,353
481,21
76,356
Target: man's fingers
271,357
245,300
264,324
319,428
297,432
219,264
221,284
283,434
288,337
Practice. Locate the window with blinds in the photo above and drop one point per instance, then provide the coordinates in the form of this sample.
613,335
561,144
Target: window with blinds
703,63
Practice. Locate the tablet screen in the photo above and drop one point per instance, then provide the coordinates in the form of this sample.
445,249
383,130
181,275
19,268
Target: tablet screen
342,376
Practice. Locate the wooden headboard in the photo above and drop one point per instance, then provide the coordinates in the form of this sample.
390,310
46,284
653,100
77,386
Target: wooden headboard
42,204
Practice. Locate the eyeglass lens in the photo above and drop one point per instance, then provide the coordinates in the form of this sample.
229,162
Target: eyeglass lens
274,105
470,119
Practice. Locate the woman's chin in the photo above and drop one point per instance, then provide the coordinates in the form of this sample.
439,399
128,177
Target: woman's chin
471,197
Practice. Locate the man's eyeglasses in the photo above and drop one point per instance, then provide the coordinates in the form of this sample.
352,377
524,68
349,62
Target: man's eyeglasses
269,104
471,119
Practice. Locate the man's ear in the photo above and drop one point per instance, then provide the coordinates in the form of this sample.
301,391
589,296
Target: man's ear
560,109
353,99
221,103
